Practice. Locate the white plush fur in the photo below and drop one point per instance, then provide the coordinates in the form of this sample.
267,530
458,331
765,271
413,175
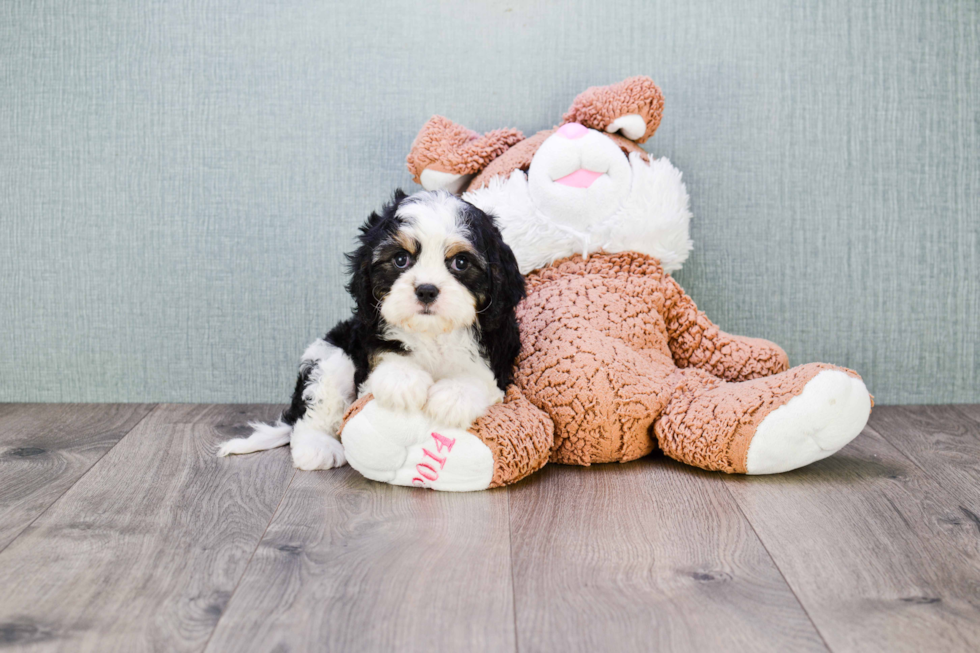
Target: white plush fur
578,208
830,412
652,216
632,126
447,181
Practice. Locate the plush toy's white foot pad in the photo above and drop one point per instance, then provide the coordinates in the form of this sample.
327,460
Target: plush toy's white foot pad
831,411
410,449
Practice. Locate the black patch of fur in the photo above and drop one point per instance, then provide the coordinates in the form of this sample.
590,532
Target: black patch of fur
297,407
500,338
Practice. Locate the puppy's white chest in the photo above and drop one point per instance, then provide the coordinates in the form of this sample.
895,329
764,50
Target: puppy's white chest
447,355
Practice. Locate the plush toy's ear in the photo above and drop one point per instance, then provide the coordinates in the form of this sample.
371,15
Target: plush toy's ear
632,107
445,156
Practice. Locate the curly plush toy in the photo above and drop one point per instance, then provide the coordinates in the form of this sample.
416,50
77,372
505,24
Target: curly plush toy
616,359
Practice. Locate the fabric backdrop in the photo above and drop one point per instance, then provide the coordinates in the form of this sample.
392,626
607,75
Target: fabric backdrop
179,180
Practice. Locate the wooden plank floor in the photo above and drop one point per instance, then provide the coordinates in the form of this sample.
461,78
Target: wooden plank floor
120,531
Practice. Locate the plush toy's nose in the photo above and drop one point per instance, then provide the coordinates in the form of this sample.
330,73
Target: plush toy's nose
573,130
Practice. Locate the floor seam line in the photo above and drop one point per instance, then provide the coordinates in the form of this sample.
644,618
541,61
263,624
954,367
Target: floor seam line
901,453
81,476
952,496
913,461
513,586
248,564
775,564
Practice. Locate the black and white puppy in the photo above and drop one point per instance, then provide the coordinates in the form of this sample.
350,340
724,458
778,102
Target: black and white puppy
433,328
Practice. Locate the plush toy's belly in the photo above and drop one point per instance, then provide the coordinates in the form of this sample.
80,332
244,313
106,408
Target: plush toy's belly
595,355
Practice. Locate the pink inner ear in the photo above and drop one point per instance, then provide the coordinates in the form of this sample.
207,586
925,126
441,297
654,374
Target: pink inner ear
581,178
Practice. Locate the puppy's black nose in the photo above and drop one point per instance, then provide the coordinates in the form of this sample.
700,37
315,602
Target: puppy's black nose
426,293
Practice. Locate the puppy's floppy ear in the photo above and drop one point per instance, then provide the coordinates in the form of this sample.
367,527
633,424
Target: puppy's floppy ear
506,281
500,336
359,286
374,229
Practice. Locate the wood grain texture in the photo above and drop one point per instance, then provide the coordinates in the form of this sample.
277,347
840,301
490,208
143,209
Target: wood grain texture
162,547
647,556
944,441
45,448
353,565
143,553
877,552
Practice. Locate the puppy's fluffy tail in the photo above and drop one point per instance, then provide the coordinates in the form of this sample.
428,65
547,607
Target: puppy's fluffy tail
264,436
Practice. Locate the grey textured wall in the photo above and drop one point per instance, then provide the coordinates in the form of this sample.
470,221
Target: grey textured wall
179,179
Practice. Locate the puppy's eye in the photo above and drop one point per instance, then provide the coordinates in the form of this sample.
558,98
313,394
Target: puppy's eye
460,262
401,260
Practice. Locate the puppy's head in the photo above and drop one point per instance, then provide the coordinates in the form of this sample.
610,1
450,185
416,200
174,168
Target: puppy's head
432,263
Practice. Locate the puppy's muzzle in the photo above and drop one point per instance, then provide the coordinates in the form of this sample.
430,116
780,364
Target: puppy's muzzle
426,293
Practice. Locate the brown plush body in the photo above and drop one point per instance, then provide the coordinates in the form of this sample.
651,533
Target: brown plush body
616,359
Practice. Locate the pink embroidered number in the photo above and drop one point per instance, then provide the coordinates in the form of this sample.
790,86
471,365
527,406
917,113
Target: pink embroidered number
425,469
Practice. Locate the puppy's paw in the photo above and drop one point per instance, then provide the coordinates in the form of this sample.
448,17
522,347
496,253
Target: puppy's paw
456,403
312,450
399,385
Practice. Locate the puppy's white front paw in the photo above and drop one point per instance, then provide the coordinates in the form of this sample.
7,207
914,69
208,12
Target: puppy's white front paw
455,403
399,385
315,450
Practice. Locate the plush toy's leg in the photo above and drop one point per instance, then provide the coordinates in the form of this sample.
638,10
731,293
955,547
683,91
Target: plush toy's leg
512,440
764,426
602,395
519,435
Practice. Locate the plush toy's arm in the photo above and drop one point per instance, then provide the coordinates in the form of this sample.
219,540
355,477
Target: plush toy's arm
696,342
446,155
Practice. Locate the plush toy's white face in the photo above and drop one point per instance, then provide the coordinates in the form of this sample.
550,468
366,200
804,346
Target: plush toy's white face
580,175
582,194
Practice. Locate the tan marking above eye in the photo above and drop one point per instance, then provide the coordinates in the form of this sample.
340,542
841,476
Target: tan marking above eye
458,247
407,241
